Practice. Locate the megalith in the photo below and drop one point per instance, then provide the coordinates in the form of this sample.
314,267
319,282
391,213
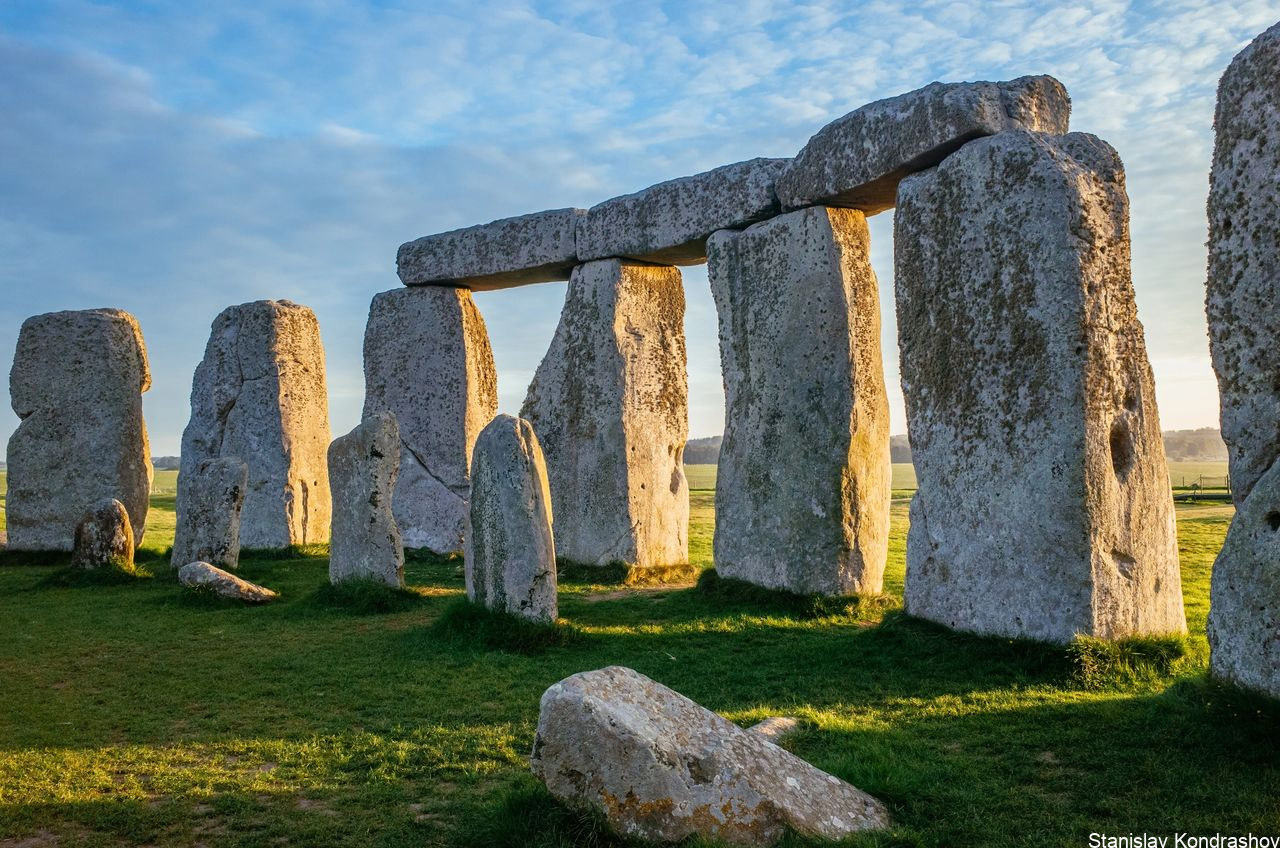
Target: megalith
1044,508
1244,339
427,360
510,553
104,538
365,542
260,394
77,384
609,403
210,497
207,577
799,319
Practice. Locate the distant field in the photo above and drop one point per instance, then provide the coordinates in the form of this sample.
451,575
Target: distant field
704,476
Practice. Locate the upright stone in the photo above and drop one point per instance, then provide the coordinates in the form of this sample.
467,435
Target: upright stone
209,502
427,360
363,465
511,557
610,406
1044,508
77,384
104,538
800,350
260,395
1244,338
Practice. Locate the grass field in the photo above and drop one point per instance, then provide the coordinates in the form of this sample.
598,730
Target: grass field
131,715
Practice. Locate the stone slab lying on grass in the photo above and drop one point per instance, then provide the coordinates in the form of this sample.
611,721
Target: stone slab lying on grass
658,766
104,538
858,160
210,497
669,223
202,575
535,248
774,728
363,466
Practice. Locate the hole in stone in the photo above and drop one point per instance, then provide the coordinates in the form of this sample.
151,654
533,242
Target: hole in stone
1131,399
1273,520
1121,448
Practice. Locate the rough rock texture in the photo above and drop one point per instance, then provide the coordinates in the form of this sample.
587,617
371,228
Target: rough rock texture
104,537
670,222
1244,337
427,360
859,159
363,466
209,502
660,767
511,556
260,395
1044,507
77,384
204,575
799,319
508,252
610,406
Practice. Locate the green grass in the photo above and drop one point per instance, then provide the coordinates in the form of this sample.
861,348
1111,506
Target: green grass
131,716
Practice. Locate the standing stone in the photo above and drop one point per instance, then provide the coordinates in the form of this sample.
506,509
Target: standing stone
511,557
1044,508
427,360
77,384
104,538
1244,337
209,504
800,350
363,465
610,406
259,394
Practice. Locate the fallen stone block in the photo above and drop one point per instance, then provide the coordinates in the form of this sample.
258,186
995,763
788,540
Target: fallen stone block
365,542
209,501
104,538
202,575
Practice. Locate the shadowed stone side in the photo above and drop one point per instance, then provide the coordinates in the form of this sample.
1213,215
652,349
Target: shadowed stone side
427,360
1044,507
511,556
363,465
76,384
260,394
209,499
799,316
858,160
610,406
1243,305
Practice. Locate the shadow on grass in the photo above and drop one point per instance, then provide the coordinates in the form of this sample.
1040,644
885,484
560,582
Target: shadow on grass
621,574
739,595
364,596
317,551
465,623
75,578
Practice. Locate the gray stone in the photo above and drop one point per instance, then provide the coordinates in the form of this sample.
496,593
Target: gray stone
1044,508
209,501
669,223
610,406
77,384
1244,337
775,728
799,316
858,160
510,555
363,466
202,575
104,538
535,248
260,395
658,766
427,360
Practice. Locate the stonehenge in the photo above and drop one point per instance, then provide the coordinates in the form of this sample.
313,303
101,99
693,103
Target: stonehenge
104,538
76,384
209,501
364,543
260,395
204,576
1243,287
427,360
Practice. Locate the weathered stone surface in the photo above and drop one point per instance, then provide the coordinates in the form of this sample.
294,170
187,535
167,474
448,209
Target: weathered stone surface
104,538
669,223
858,160
260,394
508,252
363,466
204,575
427,360
658,766
77,384
209,502
1044,507
510,555
610,406
799,319
1244,337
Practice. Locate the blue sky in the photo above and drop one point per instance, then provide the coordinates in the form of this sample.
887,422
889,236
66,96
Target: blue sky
174,157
